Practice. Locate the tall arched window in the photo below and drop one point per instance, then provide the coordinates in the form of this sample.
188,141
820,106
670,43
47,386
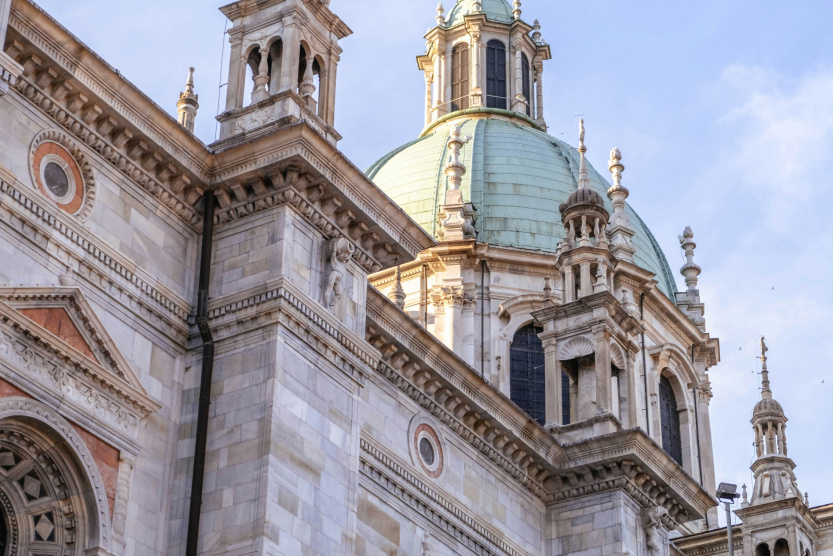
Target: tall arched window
527,89
762,550
526,370
670,417
460,77
495,75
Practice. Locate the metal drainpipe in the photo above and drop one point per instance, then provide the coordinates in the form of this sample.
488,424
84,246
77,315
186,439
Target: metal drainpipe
697,429
205,381
644,363
482,319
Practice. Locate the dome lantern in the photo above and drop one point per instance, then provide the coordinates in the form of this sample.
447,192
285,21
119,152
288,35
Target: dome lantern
482,55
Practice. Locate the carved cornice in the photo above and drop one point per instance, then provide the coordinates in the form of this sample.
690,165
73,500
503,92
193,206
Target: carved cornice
97,263
394,479
281,304
150,169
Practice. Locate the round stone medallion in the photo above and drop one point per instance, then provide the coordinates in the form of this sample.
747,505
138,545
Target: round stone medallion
428,450
61,173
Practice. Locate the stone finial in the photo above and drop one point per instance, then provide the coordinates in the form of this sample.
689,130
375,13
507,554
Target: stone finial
766,391
583,178
536,34
807,499
690,270
455,170
397,294
745,500
516,9
440,15
188,104
477,7
547,289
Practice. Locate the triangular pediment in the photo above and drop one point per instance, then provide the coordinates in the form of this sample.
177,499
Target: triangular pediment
64,317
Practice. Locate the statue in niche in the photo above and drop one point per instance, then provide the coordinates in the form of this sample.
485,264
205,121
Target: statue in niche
338,253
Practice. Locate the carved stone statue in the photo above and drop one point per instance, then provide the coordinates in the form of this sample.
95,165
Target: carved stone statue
338,252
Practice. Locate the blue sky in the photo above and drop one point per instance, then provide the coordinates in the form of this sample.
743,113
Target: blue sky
724,114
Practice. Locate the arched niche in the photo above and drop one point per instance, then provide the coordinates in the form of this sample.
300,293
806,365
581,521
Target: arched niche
782,548
52,496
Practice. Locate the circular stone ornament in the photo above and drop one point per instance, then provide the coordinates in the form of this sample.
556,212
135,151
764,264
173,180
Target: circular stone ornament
61,173
427,448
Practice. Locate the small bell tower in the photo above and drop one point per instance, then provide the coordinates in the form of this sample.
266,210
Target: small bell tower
776,520
290,51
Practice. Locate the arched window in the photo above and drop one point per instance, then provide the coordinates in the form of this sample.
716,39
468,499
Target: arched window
275,63
526,372
460,77
670,418
762,550
527,89
495,75
565,398
782,548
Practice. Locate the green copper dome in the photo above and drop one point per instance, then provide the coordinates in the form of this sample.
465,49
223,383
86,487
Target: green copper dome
517,176
495,10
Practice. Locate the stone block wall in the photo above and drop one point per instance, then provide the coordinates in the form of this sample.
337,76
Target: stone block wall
605,524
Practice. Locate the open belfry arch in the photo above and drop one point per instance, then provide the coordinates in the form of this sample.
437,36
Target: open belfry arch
476,347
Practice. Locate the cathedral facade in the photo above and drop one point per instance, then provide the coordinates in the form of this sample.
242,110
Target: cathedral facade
475,347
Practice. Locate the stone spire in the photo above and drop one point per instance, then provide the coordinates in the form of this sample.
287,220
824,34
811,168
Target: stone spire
397,294
188,104
766,392
620,223
583,180
773,469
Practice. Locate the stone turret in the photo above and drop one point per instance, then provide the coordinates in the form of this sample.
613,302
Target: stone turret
291,49
188,104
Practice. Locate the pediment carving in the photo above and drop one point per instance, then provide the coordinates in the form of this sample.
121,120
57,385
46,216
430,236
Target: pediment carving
53,345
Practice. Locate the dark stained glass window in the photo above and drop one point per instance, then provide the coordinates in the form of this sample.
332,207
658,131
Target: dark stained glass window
670,417
495,75
527,372
460,77
527,89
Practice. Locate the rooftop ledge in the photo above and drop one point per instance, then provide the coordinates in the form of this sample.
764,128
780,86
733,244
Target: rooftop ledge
483,112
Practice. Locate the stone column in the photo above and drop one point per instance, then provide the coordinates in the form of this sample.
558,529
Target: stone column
237,75
291,57
603,375
631,407
429,105
323,93
569,285
469,305
454,320
706,454
332,71
586,283
476,76
587,389
519,87
539,93
552,381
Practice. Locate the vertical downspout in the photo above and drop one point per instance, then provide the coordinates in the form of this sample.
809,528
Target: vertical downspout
644,363
697,428
207,373
483,319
